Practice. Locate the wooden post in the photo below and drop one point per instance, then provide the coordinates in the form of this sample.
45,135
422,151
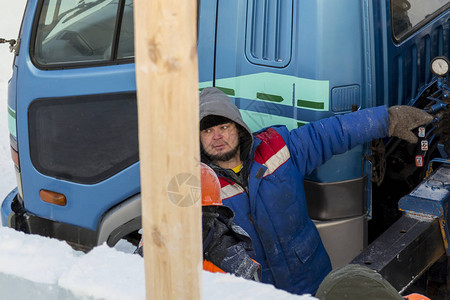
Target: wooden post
167,84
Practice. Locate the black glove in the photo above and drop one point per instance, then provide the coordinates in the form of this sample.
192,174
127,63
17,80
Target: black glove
227,245
403,118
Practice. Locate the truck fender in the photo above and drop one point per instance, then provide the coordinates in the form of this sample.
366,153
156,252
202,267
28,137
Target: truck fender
119,221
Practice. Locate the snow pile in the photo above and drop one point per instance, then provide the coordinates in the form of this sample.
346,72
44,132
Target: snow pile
103,273
124,274
26,256
50,269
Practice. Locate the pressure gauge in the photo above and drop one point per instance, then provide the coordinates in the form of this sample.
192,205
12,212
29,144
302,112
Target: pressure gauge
440,66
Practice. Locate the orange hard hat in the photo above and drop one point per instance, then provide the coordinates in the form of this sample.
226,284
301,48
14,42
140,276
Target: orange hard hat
415,296
210,186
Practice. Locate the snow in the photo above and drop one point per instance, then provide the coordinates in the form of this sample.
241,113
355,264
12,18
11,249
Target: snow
35,267
52,268
19,247
125,277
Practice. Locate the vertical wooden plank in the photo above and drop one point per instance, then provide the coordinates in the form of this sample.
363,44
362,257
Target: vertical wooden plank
167,84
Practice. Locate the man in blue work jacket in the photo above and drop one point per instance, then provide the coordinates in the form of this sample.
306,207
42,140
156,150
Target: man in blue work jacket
261,177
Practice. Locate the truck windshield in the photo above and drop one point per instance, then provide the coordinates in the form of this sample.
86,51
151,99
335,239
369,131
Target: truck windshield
78,31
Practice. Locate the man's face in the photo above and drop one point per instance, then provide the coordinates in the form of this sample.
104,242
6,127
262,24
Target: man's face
221,142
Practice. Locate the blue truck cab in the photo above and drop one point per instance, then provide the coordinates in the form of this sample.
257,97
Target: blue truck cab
73,115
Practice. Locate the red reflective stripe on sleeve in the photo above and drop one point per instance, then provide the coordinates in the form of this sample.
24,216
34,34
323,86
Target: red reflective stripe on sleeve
271,143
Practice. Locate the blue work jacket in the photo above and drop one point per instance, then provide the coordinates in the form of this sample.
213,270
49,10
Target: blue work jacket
272,208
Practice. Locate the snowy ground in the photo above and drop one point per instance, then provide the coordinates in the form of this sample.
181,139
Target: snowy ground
33,267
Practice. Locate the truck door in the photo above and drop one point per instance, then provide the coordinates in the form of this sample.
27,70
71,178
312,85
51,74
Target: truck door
76,109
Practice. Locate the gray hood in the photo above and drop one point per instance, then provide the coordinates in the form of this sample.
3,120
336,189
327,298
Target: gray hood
214,102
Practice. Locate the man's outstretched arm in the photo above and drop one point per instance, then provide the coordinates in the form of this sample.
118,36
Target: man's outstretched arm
313,144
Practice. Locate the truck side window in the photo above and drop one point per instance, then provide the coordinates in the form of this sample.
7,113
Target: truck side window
409,15
76,31
126,40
